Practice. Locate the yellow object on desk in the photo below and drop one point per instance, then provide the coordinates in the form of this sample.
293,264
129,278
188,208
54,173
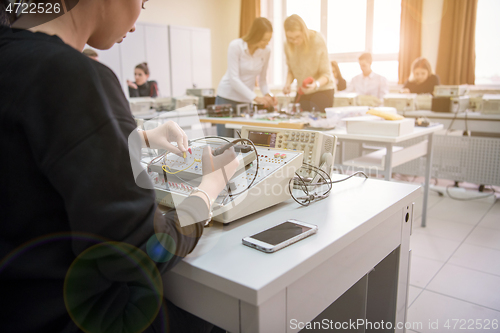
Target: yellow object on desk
385,115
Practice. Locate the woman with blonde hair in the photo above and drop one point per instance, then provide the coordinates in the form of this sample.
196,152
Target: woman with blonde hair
307,60
422,80
247,59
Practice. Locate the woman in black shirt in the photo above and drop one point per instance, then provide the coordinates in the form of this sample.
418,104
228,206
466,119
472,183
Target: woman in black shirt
422,80
341,83
77,221
142,87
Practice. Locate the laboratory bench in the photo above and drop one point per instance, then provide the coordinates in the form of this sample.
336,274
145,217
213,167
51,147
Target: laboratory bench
466,150
386,153
476,122
355,267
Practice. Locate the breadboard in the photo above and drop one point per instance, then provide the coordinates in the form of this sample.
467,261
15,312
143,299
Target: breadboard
276,168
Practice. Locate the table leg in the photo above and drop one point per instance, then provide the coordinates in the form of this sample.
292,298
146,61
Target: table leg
428,170
388,162
342,143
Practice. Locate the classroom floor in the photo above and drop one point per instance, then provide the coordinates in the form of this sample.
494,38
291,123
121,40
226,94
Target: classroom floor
455,266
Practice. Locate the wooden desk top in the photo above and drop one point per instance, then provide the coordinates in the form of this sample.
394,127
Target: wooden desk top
253,122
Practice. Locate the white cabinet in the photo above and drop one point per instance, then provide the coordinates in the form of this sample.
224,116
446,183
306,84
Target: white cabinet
178,57
181,61
201,58
191,60
158,57
133,52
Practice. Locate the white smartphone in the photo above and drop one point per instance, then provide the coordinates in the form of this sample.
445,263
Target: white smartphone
280,236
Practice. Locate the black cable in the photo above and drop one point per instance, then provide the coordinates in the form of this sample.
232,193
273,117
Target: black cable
338,181
452,121
323,177
209,137
304,189
469,199
325,194
316,169
466,125
256,171
303,184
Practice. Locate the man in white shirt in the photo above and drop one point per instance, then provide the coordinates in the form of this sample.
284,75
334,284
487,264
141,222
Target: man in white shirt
368,83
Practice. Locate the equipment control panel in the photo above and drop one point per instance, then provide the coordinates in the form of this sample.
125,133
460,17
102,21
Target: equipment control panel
313,144
262,179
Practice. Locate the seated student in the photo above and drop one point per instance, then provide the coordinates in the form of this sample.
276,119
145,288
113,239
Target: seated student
341,83
422,80
368,83
75,257
91,54
142,87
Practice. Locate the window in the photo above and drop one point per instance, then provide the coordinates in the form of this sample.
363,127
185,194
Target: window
358,26
386,25
347,32
350,28
487,42
309,10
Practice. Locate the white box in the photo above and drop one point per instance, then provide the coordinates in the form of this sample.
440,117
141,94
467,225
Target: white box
402,102
491,104
450,90
424,102
372,125
345,99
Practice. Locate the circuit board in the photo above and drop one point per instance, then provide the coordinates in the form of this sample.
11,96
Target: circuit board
174,178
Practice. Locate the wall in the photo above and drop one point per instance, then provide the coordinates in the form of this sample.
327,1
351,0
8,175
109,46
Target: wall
431,27
222,17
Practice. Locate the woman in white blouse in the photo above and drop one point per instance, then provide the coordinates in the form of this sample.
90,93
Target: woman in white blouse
247,58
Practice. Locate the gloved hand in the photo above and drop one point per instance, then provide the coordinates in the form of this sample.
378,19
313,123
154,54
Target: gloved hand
162,136
217,170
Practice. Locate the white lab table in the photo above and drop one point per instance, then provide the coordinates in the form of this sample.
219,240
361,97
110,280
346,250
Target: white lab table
363,224
392,155
460,157
472,121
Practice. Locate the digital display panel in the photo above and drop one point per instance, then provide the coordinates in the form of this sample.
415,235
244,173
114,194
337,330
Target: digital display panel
264,139
280,233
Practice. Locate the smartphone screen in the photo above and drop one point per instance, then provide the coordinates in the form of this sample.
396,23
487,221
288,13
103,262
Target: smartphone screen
280,233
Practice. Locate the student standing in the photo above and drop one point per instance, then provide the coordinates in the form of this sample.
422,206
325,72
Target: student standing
307,58
422,80
368,82
142,87
247,59
67,125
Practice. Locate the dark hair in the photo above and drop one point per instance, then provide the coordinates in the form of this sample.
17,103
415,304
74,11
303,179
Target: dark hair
259,27
335,68
8,19
5,18
144,67
421,63
366,56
